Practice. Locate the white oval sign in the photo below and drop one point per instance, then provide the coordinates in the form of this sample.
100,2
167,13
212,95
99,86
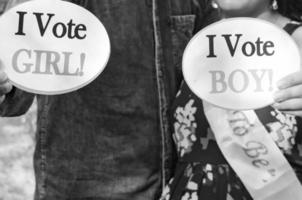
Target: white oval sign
235,63
52,46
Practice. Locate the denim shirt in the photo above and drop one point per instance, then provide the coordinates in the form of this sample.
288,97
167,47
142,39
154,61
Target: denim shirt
111,140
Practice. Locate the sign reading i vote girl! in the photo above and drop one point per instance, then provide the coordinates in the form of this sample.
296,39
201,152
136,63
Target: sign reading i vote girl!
52,46
235,63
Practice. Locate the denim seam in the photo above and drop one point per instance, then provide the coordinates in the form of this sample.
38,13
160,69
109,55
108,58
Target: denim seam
43,135
160,87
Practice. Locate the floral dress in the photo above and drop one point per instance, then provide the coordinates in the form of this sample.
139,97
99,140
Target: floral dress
202,173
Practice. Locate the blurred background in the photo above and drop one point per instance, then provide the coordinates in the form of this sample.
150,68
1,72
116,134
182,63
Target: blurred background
17,137
16,156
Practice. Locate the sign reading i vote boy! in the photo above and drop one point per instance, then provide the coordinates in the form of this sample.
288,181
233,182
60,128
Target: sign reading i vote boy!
235,63
52,46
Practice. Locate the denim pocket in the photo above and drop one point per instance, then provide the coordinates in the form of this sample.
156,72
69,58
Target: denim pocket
182,27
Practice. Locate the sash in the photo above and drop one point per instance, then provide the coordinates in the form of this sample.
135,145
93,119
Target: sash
253,155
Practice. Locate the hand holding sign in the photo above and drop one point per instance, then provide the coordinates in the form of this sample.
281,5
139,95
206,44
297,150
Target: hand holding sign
47,50
5,85
232,66
289,96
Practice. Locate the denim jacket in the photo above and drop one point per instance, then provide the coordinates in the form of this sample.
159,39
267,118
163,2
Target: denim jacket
111,140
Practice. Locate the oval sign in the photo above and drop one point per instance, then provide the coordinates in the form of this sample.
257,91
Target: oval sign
235,63
52,46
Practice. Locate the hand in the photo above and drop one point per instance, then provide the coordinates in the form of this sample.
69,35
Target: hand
5,85
289,97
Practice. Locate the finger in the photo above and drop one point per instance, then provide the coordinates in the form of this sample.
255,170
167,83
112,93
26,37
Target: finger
288,93
1,65
2,98
290,80
3,77
295,113
5,88
289,105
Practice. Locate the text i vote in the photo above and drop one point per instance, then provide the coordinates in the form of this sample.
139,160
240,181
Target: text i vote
46,22
235,43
